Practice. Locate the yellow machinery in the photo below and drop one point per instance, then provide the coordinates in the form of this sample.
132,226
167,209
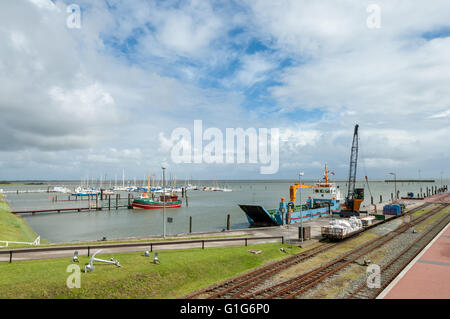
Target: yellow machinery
293,190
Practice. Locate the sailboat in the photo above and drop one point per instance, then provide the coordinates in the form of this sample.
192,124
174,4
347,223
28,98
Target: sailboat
123,187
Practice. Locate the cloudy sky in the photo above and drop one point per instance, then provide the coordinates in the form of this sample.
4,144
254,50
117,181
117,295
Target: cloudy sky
107,96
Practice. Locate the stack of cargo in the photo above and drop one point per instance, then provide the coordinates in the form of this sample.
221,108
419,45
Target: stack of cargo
339,228
367,221
394,209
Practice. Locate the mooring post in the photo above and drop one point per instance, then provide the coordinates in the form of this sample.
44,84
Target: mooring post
117,201
228,222
371,200
190,224
187,201
129,200
89,250
381,199
10,256
246,241
101,194
182,192
109,202
392,196
203,244
96,201
56,198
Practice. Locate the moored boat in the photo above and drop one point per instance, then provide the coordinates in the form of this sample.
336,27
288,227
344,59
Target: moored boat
326,199
169,201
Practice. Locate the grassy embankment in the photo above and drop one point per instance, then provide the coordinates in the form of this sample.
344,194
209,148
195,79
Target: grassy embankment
180,272
12,227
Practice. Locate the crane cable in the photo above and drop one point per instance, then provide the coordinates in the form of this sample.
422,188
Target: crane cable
364,166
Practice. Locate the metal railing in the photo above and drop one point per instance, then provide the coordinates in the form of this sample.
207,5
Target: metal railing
36,242
130,244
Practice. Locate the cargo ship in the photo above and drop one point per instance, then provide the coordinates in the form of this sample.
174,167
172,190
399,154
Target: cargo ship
325,200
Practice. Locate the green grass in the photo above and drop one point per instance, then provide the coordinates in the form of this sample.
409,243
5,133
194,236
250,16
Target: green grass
13,227
180,272
432,219
422,211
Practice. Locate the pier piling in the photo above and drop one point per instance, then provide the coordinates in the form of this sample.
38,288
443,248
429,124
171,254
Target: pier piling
381,199
190,224
228,222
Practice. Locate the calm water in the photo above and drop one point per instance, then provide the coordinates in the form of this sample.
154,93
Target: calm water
208,210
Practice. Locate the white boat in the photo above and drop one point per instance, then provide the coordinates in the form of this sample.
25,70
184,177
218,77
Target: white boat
82,191
61,189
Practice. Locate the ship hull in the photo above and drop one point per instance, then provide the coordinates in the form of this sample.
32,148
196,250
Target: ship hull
155,205
258,216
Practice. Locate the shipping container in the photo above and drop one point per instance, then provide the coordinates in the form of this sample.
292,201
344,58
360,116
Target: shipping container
393,209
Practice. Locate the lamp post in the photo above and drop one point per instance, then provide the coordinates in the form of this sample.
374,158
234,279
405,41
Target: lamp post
301,217
395,183
163,166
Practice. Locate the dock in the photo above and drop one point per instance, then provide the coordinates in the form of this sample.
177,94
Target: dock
62,210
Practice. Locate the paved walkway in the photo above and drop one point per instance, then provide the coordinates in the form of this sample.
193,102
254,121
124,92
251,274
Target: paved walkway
428,275
290,232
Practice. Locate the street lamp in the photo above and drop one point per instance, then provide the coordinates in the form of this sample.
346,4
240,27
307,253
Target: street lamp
301,217
163,166
395,183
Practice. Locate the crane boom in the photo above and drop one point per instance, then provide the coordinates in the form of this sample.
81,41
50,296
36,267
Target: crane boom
353,165
355,196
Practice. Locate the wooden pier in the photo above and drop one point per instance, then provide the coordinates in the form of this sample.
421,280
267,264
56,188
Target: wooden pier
98,204
62,210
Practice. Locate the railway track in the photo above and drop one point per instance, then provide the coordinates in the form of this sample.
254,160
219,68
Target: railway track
296,286
245,286
391,270
239,284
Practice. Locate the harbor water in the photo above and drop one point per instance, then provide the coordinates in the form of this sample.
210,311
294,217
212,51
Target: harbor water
208,209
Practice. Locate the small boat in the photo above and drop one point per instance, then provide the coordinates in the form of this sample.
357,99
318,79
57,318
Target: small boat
61,189
80,191
169,201
108,192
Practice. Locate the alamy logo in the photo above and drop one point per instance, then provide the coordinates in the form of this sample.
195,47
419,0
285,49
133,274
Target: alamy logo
74,279
233,149
374,19
373,276
74,19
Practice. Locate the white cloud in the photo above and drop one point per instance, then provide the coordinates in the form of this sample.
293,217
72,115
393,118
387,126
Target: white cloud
136,71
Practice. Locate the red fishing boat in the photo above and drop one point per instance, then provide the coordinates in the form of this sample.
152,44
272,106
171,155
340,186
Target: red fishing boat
169,201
